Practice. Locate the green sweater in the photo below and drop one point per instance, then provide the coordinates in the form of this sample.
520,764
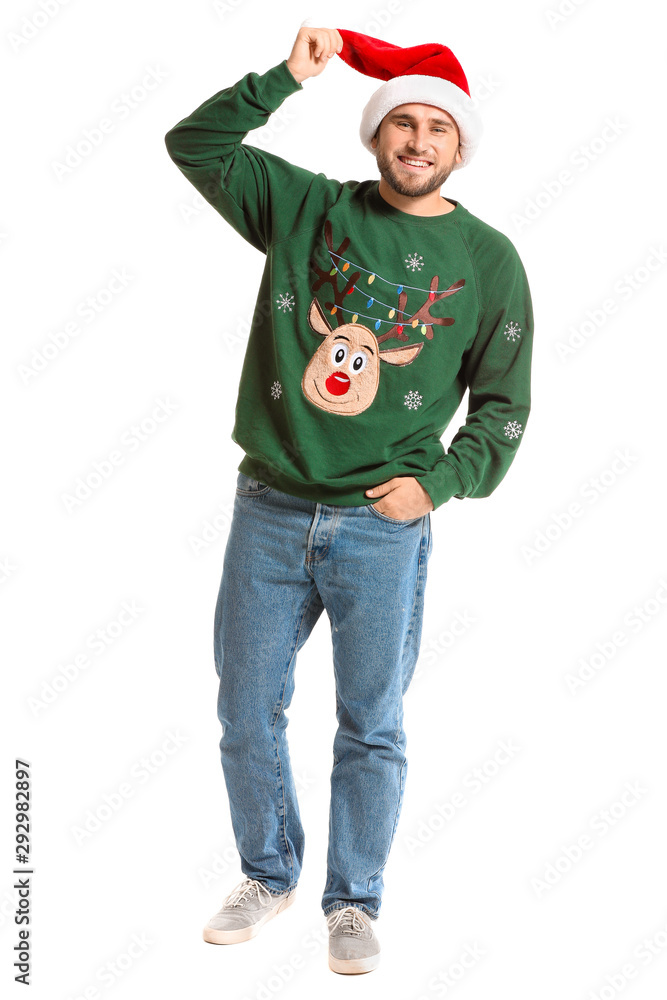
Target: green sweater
370,323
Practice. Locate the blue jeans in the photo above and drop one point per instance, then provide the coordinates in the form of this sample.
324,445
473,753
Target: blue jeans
286,560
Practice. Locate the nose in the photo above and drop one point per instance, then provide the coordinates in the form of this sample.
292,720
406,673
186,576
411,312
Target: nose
419,141
338,383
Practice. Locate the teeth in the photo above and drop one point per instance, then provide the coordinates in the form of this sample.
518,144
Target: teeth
415,163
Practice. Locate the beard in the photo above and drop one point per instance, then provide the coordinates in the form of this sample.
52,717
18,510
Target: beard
412,186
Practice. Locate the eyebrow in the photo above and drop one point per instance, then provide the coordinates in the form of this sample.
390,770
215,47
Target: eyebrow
341,336
438,121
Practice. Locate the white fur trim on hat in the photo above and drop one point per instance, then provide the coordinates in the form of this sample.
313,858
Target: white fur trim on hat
418,89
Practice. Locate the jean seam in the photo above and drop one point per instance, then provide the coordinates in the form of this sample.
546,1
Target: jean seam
273,727
401,788
415,599
418,581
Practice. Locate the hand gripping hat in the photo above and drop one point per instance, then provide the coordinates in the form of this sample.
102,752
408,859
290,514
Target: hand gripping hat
419,74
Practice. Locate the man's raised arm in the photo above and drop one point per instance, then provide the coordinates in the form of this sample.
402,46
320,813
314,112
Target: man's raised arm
257,192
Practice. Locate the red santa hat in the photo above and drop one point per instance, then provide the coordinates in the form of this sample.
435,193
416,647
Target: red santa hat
419,74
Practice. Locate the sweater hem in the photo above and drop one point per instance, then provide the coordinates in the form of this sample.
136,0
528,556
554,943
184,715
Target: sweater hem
343,496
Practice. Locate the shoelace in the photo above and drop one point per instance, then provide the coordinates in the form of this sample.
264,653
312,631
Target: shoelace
244,892
350,919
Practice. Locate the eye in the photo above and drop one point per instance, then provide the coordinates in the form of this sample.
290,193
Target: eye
338,354
358,361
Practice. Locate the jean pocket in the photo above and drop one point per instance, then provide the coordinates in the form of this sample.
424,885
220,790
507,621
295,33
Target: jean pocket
392,520
247,487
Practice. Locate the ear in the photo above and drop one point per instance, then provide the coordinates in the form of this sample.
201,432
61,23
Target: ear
401,355
318,320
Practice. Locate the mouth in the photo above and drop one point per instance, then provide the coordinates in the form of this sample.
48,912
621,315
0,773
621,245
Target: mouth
413,163
343,402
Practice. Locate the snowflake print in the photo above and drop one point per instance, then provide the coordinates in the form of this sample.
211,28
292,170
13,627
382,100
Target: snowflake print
512,331
285,302
276,390
512,429
415,261
412,400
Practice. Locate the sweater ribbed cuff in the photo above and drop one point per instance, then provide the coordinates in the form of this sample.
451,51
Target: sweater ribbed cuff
284,78
442,484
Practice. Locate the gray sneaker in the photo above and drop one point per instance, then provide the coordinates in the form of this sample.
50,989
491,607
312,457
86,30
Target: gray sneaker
353,946
245,911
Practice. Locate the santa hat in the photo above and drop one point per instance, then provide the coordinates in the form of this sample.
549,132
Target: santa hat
420,74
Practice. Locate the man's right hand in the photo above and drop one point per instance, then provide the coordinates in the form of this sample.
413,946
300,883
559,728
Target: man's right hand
312,50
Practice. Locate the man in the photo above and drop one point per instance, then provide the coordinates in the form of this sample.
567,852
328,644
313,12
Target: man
379,305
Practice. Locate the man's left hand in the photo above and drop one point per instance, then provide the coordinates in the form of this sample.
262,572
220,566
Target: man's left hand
402,498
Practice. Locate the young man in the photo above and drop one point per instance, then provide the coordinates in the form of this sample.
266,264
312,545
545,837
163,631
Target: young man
379,305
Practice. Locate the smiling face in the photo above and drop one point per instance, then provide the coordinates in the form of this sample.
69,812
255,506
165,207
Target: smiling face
417,132
342,376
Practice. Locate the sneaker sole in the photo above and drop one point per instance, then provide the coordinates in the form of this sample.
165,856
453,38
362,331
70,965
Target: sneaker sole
354,966
213,936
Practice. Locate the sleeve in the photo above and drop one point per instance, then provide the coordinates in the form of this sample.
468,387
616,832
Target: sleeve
496,368
260,194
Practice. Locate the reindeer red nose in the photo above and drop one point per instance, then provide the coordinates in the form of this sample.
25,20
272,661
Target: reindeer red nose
338,383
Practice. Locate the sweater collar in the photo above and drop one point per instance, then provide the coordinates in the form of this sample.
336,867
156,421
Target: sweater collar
396,215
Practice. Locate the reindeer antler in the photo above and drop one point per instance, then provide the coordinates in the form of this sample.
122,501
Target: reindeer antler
423,314
324,277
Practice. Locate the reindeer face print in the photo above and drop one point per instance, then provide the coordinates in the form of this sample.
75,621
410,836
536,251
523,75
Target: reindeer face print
343,375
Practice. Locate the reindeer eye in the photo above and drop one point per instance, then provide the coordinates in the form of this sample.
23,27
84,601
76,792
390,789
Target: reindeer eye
339,353
358,361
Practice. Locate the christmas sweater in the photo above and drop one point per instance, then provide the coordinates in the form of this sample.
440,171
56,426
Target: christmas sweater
370,323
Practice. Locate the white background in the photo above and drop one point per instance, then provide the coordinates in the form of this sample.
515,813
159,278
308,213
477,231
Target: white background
544,587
